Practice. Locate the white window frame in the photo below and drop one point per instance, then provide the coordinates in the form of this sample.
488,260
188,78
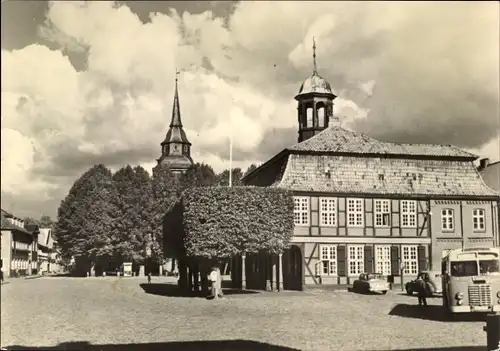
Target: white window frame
447,220
479,220
383,263
301,210
381,208
328,211
408,214
327,264
355,260
409,257
355,212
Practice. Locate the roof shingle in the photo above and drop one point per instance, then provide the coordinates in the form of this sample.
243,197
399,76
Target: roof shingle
389,176
336,139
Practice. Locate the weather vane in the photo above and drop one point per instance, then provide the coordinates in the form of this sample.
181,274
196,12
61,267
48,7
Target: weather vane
314,54
177,72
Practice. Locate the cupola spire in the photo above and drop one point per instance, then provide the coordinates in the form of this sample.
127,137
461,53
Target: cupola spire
315,69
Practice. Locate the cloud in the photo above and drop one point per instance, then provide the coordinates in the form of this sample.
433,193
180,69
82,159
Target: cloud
413,72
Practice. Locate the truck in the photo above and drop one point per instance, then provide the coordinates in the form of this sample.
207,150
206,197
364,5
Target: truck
471,280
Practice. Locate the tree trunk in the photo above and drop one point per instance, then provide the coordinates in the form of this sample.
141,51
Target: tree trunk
172,267
183,275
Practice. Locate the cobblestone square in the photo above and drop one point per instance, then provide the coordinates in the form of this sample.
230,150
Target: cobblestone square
111,313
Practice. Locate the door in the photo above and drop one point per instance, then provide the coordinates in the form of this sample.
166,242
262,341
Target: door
292,269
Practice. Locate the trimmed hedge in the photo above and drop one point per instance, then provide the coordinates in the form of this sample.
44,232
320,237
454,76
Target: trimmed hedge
219,222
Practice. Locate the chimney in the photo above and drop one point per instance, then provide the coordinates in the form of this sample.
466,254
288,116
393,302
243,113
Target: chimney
483,163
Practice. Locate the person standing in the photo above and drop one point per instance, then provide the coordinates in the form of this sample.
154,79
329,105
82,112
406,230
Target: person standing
149,277
421,291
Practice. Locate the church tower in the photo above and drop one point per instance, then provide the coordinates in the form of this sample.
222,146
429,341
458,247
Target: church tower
315,104
176,148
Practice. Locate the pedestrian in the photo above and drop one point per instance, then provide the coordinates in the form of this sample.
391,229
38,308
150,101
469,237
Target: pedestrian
421,291
149,277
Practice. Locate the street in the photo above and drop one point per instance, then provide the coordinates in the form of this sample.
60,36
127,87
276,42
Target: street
107,313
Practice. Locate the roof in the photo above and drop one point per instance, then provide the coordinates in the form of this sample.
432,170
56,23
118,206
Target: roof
491,175
336,139
382,176
176,162
45,238
176,133
315,84
5,224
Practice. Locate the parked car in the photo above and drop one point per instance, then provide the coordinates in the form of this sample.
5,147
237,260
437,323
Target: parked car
371,282
434,283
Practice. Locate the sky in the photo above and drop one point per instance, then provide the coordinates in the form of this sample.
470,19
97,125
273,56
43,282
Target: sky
88,83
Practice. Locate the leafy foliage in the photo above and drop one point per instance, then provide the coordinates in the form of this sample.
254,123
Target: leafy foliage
250,168
199,174
221,221
44,221
223,177
134,229
88,214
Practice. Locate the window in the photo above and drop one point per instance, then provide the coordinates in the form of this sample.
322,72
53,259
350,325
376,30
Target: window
478,220
309,115
356,259
410,260
328,211
301,210
320,110
355,212
408,213
383,259
447,220
328,260
382,213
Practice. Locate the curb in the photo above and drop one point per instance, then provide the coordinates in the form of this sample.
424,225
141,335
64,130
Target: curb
33,277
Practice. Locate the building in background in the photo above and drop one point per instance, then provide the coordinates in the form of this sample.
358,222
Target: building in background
365,205
19,246
490,172
46,262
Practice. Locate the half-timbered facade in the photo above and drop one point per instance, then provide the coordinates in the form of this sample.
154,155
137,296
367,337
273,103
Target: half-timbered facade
365,205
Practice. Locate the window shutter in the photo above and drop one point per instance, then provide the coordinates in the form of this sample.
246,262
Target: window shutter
341,261
368,259
395,265
422,259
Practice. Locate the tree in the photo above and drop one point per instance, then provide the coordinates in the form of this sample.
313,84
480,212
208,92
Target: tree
87,215
44,221
220,222
30,220
166,187
199,174
135,204
223,177
250,168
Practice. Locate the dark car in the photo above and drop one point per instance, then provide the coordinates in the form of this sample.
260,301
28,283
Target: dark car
434,284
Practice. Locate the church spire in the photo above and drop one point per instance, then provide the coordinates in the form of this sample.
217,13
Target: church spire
176,148
176,110
314,56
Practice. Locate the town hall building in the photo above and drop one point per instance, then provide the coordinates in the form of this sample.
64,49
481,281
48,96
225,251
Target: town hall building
366,205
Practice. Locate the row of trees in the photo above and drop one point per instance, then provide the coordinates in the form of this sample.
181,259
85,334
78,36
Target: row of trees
119,216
